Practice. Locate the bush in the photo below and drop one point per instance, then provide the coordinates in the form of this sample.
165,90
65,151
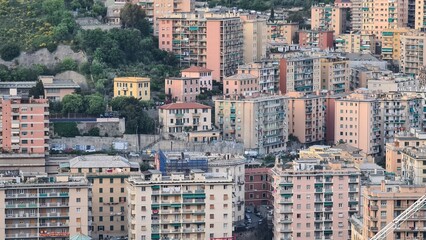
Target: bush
9,52
66,129
94,132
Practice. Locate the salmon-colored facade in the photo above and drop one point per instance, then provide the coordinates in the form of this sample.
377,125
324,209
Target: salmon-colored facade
321,39
182,89
257,187
203,74
240,84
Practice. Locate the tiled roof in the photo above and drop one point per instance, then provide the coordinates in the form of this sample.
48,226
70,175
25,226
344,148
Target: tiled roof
241,76
187,105
196,69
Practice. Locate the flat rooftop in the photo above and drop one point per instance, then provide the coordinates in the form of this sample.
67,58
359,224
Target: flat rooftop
100,161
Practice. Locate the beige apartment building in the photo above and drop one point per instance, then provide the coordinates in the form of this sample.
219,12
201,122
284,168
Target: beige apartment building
267,73
35,206
413,53
361,74
392,82
306,118
254,34
210,40
282,31
107,174
314,199
381,15
356,42
56,89
198,206
391,43
155,9
260,122
185,117
329,17
335,74
137,87
356,15
405,139
241,84
383,203
412,169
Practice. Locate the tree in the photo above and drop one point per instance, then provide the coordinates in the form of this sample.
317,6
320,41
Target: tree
94,132
72,103
272,16
37,90
67,64
10,51
133,16
296,17
95,104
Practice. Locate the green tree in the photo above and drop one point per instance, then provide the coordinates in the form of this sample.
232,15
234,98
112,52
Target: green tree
38,90
95,132
133,16
66,129
72,103
67,64
10,51
95,104
296,17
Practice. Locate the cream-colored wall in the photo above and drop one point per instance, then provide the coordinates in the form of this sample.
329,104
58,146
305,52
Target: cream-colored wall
189,115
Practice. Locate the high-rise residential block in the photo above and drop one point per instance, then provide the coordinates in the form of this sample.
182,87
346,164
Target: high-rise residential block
137,87
198,206
413,53
417,10
227,164
185,117
107,175
259,122
210,40
381,15
322,39
307,113
314,199
254,34
383,203
41,207
405,139
356,42
391,43
334,74
361,74
356,13
155,9
412,169
24,133
282,31
392,82
267,73
329,17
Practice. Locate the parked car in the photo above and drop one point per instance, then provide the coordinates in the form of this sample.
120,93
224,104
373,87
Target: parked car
133,154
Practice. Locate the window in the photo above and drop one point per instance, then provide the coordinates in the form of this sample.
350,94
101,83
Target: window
111,199
111,228
143,198
101,209
111,190
101,199
122,228
101,219
122,190
111,218
211,197
211,216
78,200
111,180
78,210
211,225
225,197
100,228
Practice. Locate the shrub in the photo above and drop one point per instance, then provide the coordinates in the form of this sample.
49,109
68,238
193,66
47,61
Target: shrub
9,52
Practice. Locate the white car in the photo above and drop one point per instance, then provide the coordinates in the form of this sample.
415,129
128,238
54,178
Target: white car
133,154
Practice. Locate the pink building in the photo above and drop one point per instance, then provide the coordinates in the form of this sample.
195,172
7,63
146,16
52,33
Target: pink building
203,74
257,187
314,199
182,89
240,84
316,39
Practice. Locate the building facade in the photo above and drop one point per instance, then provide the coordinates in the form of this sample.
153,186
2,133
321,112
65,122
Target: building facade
282,31
258,122
185,117
258,189
137,87
198,206
56,89
241,84
412,52
254,33
329,17
356,42
322,39
182,89
267,72
335,74
391,43
203,74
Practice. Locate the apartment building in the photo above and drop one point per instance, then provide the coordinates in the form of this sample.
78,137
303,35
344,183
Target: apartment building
259,122
25,133
412,52
241,84
356,42
182,89
360,75
300,72
329,17
417,16
342,152
381,15
283,31
412,168
357,121
383,203
155,9
314,199
406,139
21,89
185,117
322,39
356,15
254,34
41,207
137,87
258,189
334,74
55,89
392,82
198,206
267,73
307,113
203,74
107,176
210,40
391,43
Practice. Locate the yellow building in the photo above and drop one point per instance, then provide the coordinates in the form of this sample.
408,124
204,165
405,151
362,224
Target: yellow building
391,43
137,87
